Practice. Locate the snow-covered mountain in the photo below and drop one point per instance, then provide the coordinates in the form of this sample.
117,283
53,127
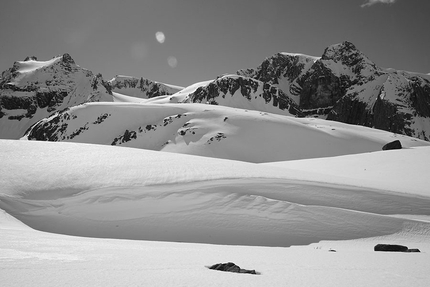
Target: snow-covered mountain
344,85
141,87
32,90
210,130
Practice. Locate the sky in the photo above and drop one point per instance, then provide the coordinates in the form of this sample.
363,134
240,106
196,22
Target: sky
182,42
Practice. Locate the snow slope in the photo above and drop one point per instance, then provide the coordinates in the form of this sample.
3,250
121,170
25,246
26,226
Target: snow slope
213,131
370,170
110,192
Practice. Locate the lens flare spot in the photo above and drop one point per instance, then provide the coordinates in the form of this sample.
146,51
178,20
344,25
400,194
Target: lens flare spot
172,61
160,37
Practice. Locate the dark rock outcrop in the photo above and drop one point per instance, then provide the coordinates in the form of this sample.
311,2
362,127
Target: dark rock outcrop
231,267
392,145
394,248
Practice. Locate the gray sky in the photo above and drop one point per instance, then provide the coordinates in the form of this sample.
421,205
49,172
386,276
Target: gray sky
205,38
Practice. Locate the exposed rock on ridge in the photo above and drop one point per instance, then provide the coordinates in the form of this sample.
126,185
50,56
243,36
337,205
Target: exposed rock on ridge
141,88
246,93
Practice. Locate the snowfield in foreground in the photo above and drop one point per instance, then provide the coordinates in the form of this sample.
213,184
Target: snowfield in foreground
259,212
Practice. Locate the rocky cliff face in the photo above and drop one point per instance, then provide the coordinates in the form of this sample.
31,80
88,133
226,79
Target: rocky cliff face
282,70
245,93
32,90
344,85
141,88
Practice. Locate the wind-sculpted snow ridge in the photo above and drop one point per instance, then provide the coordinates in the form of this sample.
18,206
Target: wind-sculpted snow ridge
32,90
102,191
141,87
344,85
210,130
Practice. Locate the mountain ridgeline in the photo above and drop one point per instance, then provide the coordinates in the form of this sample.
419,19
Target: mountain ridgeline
342,85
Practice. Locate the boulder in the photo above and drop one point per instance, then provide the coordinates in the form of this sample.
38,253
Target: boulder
391,248
230,267
392,145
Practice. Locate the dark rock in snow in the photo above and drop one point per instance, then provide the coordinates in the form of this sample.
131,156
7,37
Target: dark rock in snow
413,250
392,145
391,248
231,267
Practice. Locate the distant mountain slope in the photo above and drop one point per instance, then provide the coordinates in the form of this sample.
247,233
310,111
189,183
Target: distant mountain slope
344,85
210,130
32,90
141,87
236,92
246,93
281,70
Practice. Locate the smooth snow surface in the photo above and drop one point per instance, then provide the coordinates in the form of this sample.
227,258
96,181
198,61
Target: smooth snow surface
33,258
259,213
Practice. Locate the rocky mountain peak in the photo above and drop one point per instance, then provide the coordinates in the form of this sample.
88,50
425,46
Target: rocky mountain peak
338,52
67,59
32,90
30,58
347,54
278,66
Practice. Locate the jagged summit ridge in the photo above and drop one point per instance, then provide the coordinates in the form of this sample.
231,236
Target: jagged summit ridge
141,87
